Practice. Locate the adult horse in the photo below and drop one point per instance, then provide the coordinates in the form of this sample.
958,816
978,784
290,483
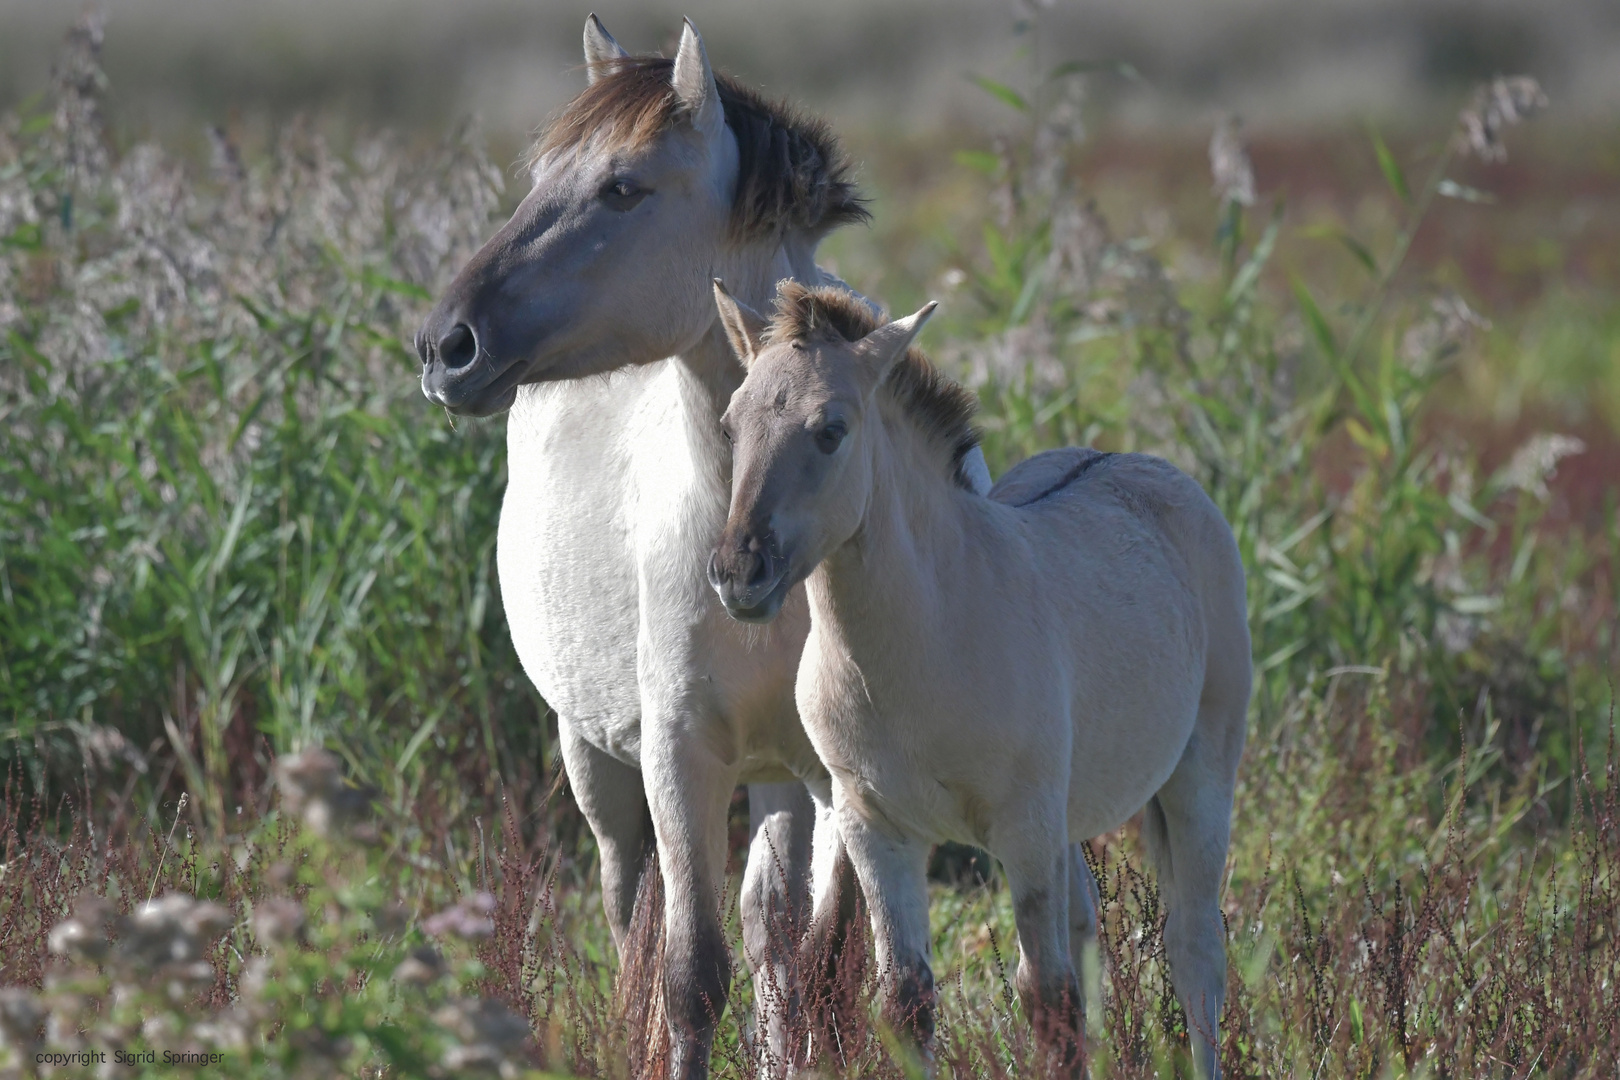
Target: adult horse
656,179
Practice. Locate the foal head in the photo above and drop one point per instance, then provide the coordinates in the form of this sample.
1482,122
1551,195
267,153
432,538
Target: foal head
803,428
653,180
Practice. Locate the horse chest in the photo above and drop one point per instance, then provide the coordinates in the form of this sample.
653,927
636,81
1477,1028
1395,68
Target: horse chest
567,574
609,514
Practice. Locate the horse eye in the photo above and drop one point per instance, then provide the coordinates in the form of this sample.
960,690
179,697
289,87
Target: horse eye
725,430
623,194
828,438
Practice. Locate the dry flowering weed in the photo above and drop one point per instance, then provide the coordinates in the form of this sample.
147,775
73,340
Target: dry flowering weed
1502,103
1229,162
309,971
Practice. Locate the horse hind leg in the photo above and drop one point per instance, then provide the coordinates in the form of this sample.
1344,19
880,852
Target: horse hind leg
1186,828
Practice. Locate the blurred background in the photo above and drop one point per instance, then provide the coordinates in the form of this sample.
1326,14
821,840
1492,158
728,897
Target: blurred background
867,62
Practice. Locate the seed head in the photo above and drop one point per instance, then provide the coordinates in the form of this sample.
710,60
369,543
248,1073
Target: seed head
1497,106
1229,162
83,935
278,920
423,966
313,788
20,1017
489,1036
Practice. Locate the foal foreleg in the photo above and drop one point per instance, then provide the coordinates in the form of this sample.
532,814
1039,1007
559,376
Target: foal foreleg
830,968
893,875
775,906
688,791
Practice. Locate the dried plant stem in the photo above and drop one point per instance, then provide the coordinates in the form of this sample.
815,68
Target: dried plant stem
168,842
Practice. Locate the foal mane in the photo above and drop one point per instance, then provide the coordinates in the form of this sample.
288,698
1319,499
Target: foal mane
939,406
791,172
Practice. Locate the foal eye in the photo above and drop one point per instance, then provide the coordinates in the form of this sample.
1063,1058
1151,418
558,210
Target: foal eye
623,194
828,438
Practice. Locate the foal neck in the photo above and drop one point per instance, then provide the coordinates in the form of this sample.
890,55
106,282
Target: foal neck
912,543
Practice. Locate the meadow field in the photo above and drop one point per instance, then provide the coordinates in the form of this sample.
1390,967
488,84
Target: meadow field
277,790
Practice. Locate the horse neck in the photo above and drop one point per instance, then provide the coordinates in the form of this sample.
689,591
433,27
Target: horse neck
917,532
751,273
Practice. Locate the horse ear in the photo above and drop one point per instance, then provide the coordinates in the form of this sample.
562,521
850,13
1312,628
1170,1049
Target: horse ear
694,84
882,348
601,51
744,326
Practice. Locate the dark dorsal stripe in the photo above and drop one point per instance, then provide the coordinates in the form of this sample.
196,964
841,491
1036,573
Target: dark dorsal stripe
791,173
1088,458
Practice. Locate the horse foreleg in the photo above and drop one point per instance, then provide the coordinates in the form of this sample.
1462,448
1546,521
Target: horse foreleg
610,795
829,969
775,902
688,791
893,875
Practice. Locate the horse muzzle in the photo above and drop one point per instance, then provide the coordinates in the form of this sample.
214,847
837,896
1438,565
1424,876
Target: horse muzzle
459,373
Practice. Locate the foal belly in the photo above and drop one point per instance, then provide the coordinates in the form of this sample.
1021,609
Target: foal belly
1121,759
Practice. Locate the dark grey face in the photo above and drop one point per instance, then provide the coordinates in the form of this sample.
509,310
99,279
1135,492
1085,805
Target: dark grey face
509,315
605,264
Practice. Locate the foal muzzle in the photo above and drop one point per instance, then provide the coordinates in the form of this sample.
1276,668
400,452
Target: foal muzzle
750,579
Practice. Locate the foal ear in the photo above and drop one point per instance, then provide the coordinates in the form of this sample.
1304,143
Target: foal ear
743,324
601,51
694,84
882,348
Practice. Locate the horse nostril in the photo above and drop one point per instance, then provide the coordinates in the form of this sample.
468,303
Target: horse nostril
459,347
422,347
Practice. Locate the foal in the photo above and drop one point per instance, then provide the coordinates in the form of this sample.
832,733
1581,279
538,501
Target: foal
1021,671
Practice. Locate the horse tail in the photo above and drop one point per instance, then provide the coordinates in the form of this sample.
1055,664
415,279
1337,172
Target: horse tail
639,991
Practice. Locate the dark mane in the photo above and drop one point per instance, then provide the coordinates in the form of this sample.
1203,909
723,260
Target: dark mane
791,172
941,407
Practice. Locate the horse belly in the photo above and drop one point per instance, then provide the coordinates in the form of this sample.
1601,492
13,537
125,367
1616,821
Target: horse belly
567,573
